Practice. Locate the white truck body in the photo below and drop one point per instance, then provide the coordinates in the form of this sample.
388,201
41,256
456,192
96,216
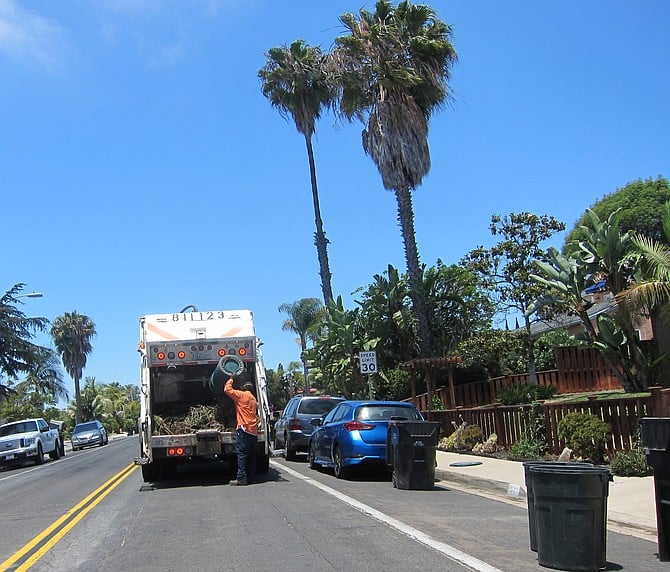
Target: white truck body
179,353
29,439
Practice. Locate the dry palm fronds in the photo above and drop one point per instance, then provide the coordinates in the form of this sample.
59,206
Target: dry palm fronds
197,418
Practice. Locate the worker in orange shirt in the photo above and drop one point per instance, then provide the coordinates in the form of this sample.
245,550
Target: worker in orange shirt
246,411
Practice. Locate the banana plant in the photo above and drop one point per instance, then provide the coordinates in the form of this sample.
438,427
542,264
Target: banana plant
566,278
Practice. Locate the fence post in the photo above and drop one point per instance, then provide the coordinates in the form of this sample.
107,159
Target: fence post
658,402
498,425
591,400
655,401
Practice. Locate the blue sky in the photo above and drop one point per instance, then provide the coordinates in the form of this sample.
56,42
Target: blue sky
142,170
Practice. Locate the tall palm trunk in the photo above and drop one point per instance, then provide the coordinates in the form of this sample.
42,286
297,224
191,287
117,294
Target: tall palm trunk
303,359
414,270
320,239
77,400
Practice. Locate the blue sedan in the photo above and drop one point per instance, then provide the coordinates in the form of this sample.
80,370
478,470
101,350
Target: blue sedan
353,433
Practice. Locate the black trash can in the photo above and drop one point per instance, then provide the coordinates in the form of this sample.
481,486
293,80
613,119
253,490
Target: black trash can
571,516
656,443
530,497
411,449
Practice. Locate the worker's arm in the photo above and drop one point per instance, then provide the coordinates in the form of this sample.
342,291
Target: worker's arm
230,391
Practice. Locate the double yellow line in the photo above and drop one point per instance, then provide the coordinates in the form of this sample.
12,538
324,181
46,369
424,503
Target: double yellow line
24,558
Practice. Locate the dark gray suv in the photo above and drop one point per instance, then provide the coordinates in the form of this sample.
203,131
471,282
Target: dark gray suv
294,426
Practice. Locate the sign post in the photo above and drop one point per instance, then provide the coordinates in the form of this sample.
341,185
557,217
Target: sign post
368,364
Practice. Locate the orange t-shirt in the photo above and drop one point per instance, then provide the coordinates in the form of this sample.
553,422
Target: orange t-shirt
246,407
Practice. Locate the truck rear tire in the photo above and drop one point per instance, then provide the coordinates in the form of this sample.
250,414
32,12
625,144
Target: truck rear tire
149,473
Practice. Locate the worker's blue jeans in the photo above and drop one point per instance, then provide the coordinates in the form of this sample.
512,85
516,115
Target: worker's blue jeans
246,455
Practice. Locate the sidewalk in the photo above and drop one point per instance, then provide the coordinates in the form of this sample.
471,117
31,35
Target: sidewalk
631,505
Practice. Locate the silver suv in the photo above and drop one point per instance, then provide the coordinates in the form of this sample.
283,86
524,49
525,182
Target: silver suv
294,426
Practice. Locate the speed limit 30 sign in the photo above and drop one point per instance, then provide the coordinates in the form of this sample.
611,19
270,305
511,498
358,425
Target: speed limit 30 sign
368,362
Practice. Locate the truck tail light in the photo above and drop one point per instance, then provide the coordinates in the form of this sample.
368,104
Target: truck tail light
242,352
176,452
221,352
181,354
160,355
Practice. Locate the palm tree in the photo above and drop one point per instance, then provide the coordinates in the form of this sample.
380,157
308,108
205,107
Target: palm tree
114,399
45,377
392,69
651,288
295,82
72,333
304,317
90,402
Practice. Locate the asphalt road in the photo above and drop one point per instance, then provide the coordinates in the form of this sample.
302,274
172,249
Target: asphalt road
96,513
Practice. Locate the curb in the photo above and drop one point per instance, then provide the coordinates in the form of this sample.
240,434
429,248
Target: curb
491,487
481,484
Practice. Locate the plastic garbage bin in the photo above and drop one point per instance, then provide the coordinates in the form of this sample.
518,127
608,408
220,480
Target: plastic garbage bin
411,449
530,497
571,516
656,442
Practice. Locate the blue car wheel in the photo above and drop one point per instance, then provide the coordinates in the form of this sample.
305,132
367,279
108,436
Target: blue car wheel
340,470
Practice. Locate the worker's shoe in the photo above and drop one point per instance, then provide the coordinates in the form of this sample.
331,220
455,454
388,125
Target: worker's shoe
236,483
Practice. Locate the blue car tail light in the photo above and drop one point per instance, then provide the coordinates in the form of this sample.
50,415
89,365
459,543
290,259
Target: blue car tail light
357,426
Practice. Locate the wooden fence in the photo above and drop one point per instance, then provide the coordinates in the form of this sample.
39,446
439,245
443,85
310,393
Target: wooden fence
578,370
509,421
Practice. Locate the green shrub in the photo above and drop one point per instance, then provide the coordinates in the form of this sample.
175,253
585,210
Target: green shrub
525,393
436,404
631,463
527,449
463,439
585,434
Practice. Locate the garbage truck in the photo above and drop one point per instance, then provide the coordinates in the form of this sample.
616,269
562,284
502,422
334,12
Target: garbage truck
185,417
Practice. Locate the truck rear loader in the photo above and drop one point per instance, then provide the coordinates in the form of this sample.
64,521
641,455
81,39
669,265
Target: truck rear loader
185,417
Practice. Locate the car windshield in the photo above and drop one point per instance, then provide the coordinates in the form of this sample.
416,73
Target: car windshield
85,427
383,412
16,428
316,406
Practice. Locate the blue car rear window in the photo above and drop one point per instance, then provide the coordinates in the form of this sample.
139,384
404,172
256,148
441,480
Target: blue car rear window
386,413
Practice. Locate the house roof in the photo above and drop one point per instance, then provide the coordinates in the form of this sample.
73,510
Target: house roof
566,321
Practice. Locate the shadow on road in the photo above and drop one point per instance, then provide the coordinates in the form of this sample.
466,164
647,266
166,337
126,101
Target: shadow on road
205,474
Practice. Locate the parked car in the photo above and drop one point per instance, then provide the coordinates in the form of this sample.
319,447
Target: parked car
87,434
354,434
294,426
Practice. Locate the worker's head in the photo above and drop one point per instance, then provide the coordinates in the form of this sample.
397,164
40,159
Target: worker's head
248,386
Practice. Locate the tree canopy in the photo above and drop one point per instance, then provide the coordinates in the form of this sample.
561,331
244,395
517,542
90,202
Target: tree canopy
641,203
17,352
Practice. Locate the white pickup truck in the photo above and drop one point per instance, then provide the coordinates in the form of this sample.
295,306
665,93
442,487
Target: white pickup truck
29,439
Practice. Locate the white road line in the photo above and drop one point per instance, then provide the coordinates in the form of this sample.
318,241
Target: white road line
449,551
